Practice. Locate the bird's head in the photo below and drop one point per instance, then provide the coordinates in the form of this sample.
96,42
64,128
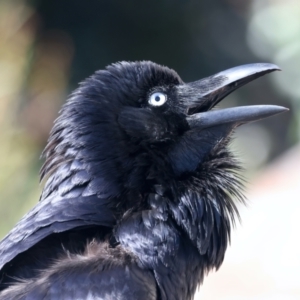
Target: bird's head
133,113
136,126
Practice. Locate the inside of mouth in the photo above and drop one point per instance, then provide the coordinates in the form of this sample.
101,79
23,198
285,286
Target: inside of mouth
206,105
216,96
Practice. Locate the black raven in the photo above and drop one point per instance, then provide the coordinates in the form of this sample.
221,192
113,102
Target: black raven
140,188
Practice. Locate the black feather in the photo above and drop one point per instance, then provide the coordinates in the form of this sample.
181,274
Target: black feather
137,203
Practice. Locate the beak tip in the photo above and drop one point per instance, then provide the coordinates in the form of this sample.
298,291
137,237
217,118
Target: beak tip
262,68
269,66
250,71
281,109
257,112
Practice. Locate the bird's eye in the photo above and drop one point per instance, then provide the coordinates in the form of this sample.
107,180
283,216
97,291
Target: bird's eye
157,99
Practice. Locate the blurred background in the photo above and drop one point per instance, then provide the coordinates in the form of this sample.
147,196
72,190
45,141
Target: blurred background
47,47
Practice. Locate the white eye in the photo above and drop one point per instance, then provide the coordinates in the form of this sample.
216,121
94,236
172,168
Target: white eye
157,99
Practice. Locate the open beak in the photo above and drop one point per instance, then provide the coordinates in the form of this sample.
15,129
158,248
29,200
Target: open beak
204,94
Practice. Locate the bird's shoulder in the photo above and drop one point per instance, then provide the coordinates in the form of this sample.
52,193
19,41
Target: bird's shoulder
100,272
53,215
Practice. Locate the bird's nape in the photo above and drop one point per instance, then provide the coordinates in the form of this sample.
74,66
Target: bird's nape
140,192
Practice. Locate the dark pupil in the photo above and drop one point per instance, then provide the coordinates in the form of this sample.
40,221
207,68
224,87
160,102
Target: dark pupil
157,98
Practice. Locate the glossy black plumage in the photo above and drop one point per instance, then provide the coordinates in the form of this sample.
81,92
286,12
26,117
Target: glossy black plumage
139,198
